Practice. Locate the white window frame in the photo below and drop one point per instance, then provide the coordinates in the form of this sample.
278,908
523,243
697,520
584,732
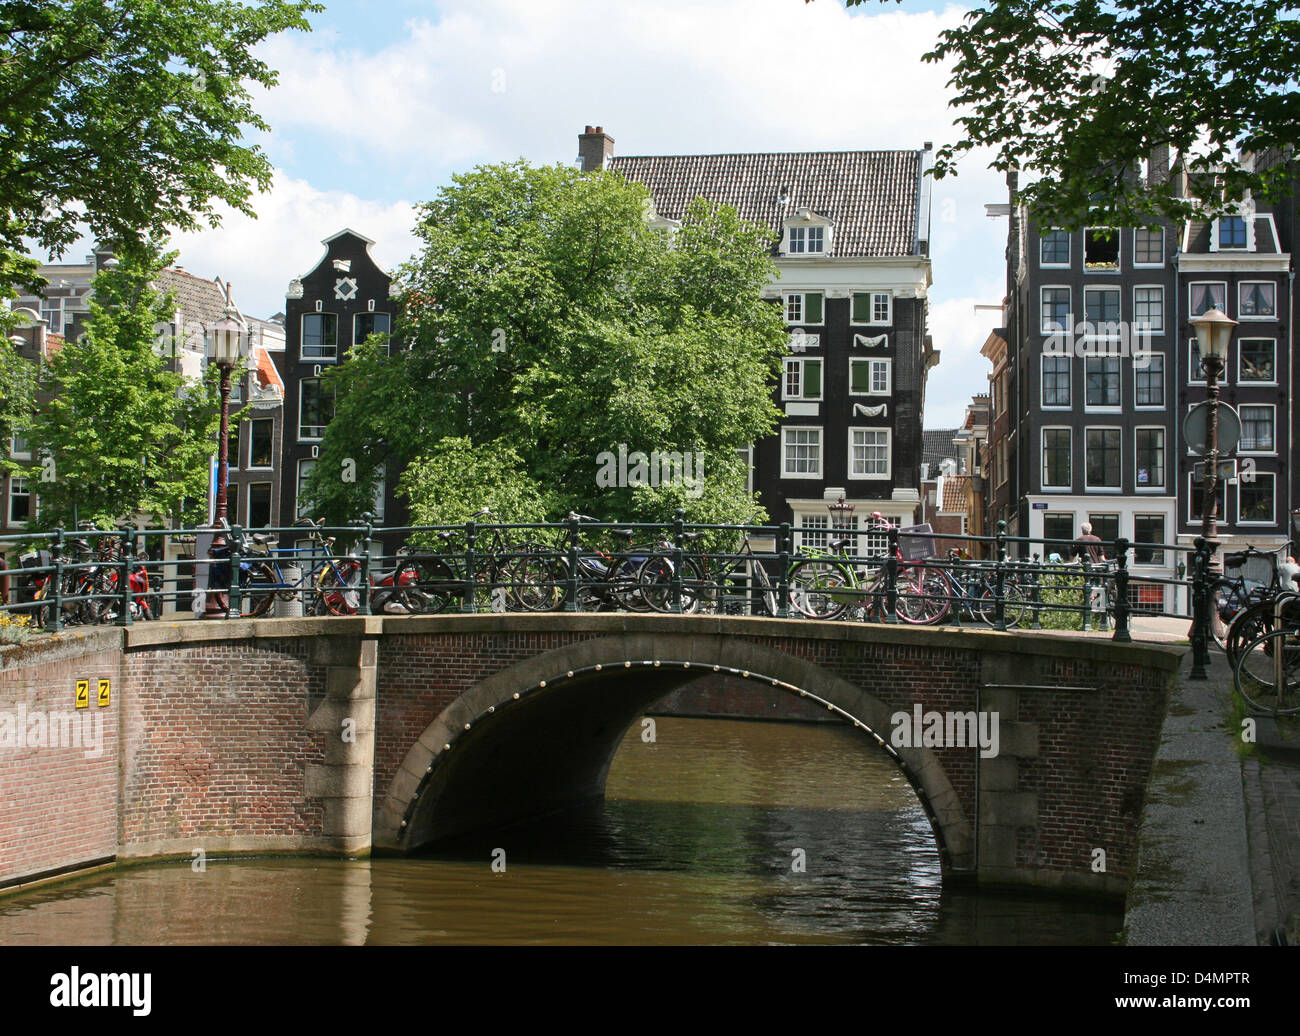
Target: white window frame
1149,266
1192,285
356,319
872,364
1164,455
1243,381
1104,408
1196,373
814,521
805,231
271,421
798,362
1118,238
302,339
1194,494
1107,289
14,483
1164,533
1069,251
889,453
1042,456
1241,315
821,444
1088,486
51,306
1216,233
297,486
1042,310
1272,407
1164,384
874,297
1042,382
301,437
1155,329
15,453
1272,518
803,308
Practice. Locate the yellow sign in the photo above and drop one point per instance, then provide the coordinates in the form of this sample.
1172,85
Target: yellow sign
104,689
83,694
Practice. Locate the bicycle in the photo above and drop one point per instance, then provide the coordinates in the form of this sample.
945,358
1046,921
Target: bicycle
1267,672
1249,577
978,594
738,585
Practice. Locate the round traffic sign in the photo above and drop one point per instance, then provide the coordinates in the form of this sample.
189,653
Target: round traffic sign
1195,428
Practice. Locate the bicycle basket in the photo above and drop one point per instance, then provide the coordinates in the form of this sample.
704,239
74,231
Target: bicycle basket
916,542
1257,569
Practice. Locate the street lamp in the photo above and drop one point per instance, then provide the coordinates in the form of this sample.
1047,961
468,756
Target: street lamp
223,350
1213,330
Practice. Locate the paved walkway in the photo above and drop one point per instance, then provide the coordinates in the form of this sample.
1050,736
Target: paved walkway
1220,857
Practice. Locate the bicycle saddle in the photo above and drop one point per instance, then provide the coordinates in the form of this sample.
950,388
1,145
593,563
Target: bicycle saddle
841,543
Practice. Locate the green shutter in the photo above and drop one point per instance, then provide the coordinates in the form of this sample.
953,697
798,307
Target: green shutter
812,307
812,379
861,307
860,376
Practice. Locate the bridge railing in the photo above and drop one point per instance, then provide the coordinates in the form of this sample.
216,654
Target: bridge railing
58,578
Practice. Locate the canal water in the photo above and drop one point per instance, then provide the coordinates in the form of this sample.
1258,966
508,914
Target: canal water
714,831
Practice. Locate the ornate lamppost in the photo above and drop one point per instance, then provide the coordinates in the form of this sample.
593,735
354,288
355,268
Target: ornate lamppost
223,350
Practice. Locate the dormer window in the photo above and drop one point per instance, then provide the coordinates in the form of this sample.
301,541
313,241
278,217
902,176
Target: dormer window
1232,233
806,233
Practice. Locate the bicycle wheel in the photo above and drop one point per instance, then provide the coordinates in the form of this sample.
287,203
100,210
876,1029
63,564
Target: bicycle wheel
1229,598
745,588
432,591
257,589
1014,605
1253,622
656,579
821,589
923,597
1255,674
338,590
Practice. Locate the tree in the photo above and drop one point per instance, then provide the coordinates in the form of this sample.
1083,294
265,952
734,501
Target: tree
120,434
1076,95
546,317
17,397
455,479
127,116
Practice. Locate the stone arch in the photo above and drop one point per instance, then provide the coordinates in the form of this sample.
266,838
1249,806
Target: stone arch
541,734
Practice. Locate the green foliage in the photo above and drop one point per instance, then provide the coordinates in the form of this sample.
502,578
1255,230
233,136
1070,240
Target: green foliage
17,388
546,316
1063,595
456,479
124,434
129,116
1075,95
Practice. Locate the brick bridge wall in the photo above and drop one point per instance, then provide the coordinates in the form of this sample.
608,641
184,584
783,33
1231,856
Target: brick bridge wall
227,736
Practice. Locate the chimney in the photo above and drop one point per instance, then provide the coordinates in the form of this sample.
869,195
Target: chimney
595,148
100,256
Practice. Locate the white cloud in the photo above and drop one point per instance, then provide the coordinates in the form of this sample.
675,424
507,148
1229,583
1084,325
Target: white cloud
259,257
959,332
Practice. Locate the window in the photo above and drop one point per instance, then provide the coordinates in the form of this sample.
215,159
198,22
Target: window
232,447
304,469
868,453
1149,463
819,540
1195,372
1257,358
1149,308
1102,380
807,239
1056,314
20,448
52,314
803,307
1056,458
1232,232
869,377
1149,247
1196,497
20,501
315,408
1256,300
259,505
320,336
1054,248
1101,306
366,324
1058,533
260,449
1105,526
1102,458
802,452
1149,381
803,379
1255,498
872,307
1148,528
1256,429
1056,381
1207,295
1100,248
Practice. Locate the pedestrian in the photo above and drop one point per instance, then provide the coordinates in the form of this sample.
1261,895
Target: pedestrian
1088,546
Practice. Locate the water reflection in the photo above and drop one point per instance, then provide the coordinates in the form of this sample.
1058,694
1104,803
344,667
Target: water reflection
715,832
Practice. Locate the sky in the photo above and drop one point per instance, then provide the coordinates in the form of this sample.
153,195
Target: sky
385,99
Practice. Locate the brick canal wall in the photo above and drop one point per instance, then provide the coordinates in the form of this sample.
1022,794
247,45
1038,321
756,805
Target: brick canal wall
295,735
